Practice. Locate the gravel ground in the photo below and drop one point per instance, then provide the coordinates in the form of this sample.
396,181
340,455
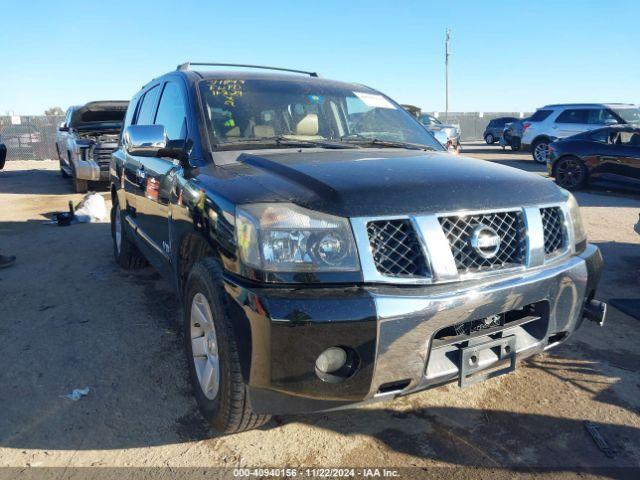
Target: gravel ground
69,318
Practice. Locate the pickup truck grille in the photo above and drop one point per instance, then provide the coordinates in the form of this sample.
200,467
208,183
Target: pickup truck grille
445,247
395,248
102,156
554,231
510,228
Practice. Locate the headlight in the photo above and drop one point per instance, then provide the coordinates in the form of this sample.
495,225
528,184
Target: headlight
283,237
579,233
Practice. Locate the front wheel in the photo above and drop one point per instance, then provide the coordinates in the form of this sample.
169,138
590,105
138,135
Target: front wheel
540,151
212,353
490,139
571,173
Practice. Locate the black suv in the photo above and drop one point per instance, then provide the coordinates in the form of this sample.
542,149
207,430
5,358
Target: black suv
327,251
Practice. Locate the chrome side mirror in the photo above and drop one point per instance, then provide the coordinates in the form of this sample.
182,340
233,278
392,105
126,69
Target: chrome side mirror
144,140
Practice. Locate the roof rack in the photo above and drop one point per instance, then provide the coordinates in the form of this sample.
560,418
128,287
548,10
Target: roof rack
187,66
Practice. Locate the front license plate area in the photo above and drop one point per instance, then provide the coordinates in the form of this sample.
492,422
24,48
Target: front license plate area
472,367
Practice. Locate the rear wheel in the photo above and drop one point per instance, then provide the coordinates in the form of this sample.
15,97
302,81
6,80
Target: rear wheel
571,173
125,252
490,139
212,353
540,150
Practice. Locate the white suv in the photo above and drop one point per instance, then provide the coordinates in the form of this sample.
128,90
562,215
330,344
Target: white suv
559,121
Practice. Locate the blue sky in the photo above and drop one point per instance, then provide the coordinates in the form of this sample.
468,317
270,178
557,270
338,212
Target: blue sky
512,55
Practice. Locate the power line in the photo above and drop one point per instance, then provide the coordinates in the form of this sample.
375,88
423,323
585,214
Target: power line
447,39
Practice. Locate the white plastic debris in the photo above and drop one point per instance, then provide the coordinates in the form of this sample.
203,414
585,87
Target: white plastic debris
77,394
91,209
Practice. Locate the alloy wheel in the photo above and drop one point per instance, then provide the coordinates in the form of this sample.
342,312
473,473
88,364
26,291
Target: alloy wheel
541,152
569,173
204,346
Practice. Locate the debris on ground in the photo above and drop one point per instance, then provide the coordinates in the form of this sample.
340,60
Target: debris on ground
603,445
77,394
91,209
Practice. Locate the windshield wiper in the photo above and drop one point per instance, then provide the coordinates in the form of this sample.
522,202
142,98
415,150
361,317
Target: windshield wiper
283,141
362,140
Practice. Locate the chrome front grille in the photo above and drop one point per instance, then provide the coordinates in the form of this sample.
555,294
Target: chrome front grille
395,248
451,246
554,230
102,156
509,226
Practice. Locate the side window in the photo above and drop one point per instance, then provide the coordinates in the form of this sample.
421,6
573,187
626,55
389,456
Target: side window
146,110
131,109
601,117
540,115
629,139
573,116
172,113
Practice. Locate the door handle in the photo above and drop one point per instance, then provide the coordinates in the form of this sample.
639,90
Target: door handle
141,176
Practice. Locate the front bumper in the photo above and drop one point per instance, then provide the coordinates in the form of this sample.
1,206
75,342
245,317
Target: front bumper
90,170
282,331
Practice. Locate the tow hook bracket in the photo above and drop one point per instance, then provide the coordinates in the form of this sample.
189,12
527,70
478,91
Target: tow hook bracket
595,311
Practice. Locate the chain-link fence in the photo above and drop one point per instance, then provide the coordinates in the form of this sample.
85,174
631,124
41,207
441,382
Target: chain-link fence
472,124
29,137
34,137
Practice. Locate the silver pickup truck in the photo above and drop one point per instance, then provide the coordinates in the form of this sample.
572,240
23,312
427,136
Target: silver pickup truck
85,140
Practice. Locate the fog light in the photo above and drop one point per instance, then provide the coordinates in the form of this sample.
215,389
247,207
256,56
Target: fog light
331,360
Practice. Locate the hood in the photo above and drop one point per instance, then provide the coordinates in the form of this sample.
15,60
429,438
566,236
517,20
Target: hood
106,114
372,182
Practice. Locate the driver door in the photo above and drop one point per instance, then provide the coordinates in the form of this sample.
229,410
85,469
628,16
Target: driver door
154,194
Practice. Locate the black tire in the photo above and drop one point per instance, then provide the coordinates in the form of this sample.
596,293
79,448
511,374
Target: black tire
571,173
229,411
539,145
80,186
490,139
127,254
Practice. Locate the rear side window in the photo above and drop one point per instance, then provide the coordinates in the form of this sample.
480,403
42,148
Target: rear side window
573,116
146,110
540,115
172,113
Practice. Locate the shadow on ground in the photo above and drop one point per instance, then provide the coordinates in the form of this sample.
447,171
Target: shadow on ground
40,182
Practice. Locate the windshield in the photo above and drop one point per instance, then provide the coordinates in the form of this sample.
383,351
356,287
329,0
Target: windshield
300,112
629,115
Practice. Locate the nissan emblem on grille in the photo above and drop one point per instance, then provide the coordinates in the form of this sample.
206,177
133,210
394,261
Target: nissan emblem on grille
485,241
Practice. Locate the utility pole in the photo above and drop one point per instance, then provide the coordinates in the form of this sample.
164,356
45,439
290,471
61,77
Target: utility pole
447,39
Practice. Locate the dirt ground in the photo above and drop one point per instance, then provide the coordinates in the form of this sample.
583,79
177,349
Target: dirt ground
70,318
